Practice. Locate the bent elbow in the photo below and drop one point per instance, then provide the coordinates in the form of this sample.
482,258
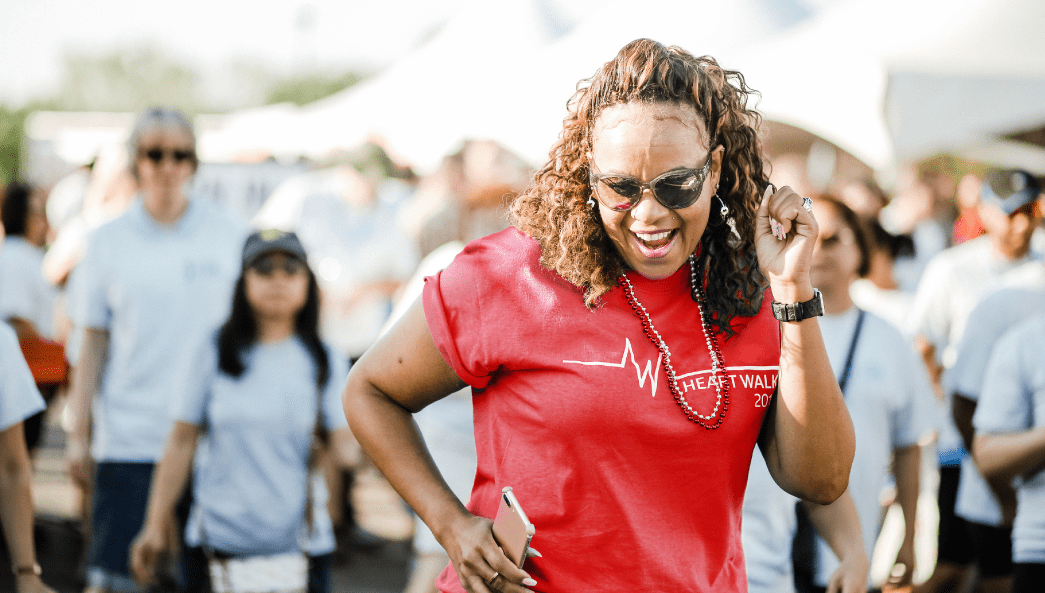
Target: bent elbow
829,489
829,481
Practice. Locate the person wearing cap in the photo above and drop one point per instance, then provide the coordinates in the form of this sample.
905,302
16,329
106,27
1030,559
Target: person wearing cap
151,281
246,406
953,283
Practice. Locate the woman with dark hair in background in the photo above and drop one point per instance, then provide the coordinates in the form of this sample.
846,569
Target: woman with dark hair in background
26,298
248,397
886,389
621,347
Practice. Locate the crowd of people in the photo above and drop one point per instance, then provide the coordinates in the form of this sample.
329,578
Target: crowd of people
795,350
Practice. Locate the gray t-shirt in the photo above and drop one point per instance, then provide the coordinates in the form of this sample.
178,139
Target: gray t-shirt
1013,401
251,462
19,398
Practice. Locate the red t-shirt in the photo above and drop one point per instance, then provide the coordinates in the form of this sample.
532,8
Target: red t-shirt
573,411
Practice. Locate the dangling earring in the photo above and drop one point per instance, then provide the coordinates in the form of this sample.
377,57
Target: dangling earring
735,239
591,202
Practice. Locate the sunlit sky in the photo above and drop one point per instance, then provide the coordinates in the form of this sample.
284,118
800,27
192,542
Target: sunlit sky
208,35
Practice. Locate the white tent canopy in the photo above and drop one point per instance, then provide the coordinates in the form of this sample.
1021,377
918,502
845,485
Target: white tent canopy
885,80
505,72
529,118
904,79
421,105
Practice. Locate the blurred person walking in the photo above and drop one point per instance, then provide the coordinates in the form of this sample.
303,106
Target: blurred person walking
27,300
151,281
19,400
769,530
886,389
1009,444
953,283
987,505
362,258
248,404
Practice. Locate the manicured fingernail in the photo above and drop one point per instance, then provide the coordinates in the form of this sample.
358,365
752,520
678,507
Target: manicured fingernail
529,582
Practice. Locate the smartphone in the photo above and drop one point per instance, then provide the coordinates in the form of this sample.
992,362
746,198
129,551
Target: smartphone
512,530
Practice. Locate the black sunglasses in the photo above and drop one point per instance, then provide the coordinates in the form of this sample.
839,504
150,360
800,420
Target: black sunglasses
676,189
266,266
156,155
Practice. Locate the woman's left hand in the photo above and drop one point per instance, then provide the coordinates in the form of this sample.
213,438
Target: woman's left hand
785,250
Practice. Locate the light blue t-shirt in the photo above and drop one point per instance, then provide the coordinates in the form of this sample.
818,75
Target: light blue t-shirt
24,292
156,289
995,315
251,462
19,398
890,399
1013,401
768,530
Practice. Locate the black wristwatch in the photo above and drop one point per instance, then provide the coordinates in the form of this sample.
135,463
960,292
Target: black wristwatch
814,307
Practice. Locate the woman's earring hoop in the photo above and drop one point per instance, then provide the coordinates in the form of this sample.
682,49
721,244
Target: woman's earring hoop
591,202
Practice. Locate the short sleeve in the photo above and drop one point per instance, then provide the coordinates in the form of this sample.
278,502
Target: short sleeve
928,318
1004,404
914,415
91,308
199,369
16,300
333,410
453,311
19,397
982,329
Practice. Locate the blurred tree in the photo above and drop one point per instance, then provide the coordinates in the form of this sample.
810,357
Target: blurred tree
11,122
132,79
127,80
12,126
310,87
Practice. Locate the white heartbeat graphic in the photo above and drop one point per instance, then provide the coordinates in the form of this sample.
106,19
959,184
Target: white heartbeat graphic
641,374
654,373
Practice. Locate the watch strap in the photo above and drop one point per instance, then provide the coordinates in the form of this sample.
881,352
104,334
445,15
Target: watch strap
794,312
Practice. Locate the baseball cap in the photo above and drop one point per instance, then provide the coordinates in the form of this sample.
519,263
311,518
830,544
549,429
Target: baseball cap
1010,189
261,243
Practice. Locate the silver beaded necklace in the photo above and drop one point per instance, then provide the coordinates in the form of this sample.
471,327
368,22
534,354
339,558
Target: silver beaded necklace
718,367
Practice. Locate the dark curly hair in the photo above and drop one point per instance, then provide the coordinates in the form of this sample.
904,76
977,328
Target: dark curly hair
573,241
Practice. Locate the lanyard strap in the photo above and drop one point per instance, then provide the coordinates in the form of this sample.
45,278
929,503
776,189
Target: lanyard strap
852,350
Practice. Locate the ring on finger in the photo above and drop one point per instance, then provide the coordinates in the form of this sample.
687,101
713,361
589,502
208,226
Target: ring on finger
807,204
493,578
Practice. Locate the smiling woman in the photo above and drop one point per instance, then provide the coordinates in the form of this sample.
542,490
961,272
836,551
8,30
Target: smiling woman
621,347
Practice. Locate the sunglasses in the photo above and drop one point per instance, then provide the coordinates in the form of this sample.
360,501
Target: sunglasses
266,266
156,155
676,189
